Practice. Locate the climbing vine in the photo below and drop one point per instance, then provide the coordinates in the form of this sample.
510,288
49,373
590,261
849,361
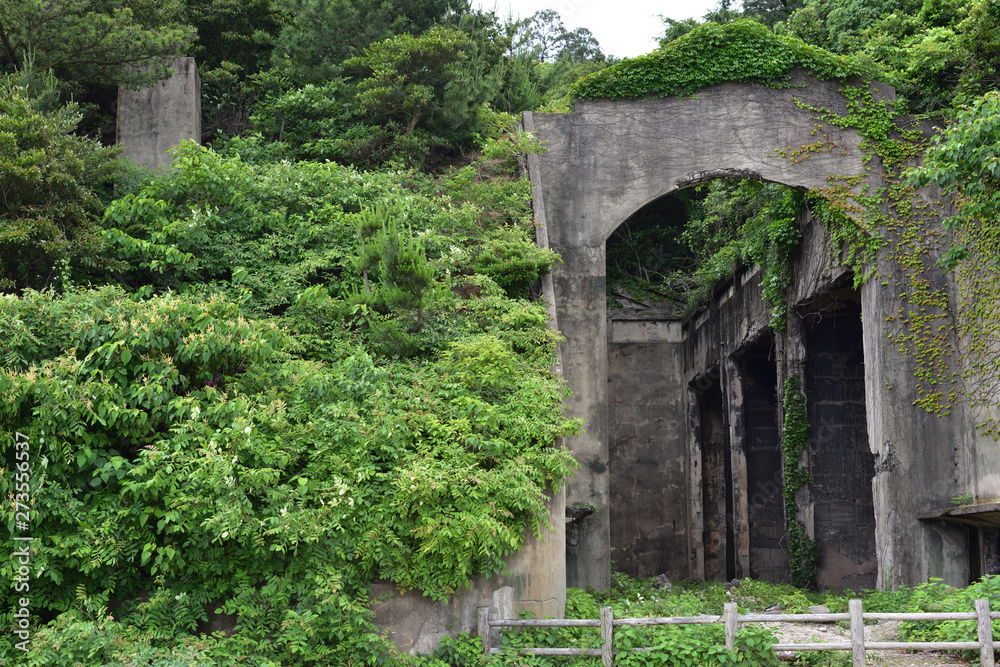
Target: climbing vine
964,159
794,440
742,51
892,220
653,258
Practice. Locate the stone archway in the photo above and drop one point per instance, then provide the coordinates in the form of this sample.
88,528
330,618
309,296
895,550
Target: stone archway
607,160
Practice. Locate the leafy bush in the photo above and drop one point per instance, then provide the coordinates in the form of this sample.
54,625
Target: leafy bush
934,596
53,183
228,432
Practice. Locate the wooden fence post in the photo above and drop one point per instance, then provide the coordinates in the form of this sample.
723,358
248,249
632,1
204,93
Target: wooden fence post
483,628
607,637
984,627
857,633
729,615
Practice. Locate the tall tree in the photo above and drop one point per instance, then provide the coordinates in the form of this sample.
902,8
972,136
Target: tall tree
232,30
321,34
770,12
546,38
50,182
404,72
129,42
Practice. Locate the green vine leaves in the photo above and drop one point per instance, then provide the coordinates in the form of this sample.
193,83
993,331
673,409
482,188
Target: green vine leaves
882,227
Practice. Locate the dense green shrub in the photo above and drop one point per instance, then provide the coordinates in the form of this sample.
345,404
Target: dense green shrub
228,430
711,53
182,452
53,182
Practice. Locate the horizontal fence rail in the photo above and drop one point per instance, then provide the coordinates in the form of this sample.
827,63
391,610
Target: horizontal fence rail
731,619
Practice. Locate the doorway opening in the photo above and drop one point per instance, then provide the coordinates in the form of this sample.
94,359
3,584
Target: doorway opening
841,461
765,502
718,538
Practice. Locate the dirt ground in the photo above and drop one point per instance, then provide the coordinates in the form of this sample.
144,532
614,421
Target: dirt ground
881,631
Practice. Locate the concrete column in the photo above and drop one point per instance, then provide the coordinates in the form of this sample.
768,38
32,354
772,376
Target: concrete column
696,526
154,120
791,357
579,284
732,396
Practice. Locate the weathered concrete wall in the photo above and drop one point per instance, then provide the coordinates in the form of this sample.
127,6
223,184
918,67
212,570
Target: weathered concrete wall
154,120
536,582
606,161
648,462
913,449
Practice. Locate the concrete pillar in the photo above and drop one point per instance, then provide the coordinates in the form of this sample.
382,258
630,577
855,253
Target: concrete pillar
696,519
732,396
154,120
580,296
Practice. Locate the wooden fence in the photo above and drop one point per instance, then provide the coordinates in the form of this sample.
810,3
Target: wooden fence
731,620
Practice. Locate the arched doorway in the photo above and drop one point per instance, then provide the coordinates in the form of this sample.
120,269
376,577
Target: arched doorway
604,162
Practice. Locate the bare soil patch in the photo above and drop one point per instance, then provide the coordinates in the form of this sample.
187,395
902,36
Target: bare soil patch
800,633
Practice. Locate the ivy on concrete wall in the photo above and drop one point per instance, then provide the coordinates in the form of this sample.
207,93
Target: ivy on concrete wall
794,440
743,51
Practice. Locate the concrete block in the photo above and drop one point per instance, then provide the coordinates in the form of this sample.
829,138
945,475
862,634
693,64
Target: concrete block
154,120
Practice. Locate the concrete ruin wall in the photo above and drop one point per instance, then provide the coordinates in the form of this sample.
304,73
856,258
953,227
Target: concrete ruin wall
678,455
535,581
154,120
647,406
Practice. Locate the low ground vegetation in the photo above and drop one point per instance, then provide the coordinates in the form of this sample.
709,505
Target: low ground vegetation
698,645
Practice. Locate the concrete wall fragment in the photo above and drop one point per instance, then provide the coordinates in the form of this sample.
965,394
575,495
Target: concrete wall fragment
535,582
156,119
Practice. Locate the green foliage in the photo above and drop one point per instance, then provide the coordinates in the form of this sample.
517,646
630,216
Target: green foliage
680,254
302,480
302,115
321,34
405,274
770,236
841,26
231,32
440,78
53,183
513,261
794,442
934,596
769,12
964,161
108,41
404,72
935,52
712,53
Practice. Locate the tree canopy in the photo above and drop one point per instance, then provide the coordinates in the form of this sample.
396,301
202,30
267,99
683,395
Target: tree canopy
123,42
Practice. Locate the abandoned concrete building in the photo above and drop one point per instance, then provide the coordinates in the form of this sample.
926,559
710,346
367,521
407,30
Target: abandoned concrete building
681,458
